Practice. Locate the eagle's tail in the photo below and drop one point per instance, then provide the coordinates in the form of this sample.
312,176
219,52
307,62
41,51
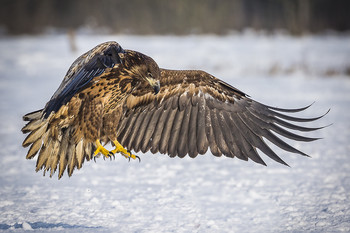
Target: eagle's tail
55,145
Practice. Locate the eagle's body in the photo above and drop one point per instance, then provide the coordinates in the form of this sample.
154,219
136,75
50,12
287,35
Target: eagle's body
121,96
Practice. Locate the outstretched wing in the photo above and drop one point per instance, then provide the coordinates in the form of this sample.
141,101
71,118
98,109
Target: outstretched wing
194,111
89,65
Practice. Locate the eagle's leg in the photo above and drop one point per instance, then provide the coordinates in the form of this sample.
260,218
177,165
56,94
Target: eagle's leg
118,148
102,150
123,151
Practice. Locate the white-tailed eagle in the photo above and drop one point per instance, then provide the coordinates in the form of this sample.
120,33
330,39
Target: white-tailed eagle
121,96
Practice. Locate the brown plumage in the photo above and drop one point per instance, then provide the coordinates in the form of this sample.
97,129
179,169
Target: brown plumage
114,95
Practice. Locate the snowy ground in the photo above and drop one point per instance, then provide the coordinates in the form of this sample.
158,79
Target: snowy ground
205,194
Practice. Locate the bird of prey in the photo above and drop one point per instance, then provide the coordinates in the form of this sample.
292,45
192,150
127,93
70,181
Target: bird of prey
118,96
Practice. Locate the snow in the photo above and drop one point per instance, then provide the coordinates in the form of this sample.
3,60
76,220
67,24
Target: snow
206,194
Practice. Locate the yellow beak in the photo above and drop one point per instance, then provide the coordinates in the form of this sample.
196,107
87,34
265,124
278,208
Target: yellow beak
155,84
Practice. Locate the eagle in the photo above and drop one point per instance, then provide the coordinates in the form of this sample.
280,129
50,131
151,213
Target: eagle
119,96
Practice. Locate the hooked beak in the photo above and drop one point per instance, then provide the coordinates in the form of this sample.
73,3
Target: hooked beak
155,84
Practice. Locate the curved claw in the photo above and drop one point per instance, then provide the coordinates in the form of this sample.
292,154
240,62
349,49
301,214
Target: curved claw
110,155
138,158
129,154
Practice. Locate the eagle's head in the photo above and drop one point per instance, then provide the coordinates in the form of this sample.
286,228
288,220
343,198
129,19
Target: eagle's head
143,70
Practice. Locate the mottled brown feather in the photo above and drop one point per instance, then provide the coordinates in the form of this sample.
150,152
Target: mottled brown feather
34,148
63,153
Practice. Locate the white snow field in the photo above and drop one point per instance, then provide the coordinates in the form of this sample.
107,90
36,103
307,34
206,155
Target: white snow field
205,194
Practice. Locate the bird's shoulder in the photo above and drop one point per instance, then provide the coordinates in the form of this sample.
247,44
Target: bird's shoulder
180,85
86,67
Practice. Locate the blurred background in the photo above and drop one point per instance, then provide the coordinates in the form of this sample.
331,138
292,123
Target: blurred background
297,17
268,37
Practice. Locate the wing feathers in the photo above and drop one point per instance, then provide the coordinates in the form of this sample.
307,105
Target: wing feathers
135,129
71,159
202,141
217,130
34,149
238,140
63,153
210,133
271,137
277,129
138,130
226,134
183,139
287,110
33,115
43,156
51,162
256,140
142,131
126,133
35,135
145,144
267,118
80,153
188,119
175,130
157,134
296,119
192,130
166,134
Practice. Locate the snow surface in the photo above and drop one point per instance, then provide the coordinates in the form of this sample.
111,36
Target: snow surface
206,194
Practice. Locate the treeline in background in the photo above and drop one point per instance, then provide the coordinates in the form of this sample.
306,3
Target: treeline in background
174,16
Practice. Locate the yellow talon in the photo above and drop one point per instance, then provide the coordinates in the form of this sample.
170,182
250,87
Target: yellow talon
101,149
118,148
122,150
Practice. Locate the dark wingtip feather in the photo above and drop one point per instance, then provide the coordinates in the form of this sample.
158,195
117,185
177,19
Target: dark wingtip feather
279,160
296,119
289,110
258,159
